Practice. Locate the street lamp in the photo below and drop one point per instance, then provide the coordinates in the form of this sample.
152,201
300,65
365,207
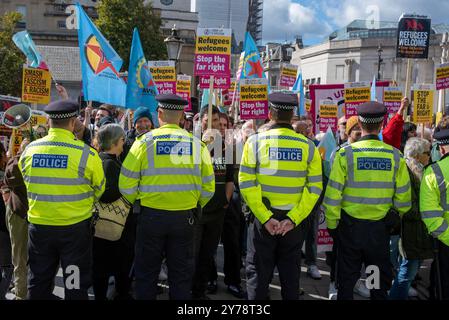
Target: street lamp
174,44
379,60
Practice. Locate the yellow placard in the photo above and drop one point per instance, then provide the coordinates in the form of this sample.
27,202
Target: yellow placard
17,139
38,120
253,92
438,118
357,94
36,86
289,72
328,110
392,96
308,105
423,106
443,72
183,86
163,74
213,45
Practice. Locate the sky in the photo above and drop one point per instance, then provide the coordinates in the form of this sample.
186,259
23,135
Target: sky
316,19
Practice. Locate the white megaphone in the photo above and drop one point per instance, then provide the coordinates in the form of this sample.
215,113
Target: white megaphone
17,116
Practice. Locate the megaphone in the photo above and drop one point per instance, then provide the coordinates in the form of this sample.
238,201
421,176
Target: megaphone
17,116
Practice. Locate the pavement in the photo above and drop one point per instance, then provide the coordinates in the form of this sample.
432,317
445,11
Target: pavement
313,289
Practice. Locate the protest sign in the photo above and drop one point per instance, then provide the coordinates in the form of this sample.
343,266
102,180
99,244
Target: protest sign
288,75
36,86
324,240
183,85
308,104
213,52
423,103
253,98
413,37
164,74
328,115
442,76
356,93
392,100
221,82
7,102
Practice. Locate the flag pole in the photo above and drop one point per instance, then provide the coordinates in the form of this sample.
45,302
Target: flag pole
407,85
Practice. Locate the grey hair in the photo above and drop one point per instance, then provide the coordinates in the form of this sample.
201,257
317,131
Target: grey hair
109,135
416,146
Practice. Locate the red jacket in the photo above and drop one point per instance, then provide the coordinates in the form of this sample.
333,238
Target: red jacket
393,131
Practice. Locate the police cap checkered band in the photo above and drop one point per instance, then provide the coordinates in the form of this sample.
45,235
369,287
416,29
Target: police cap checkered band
371,120
62,115
442,136
443,142
170,106
281,107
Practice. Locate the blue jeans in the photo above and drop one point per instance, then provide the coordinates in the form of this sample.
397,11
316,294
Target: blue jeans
407,272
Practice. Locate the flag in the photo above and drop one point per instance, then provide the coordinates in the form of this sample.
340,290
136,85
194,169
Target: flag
205,99
298,87
325,147
141,90
252,64
25,43
373,89
100,65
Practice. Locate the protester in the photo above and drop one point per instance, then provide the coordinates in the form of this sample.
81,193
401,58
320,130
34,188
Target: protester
408,131
142,123
415,240
14,195
392,133
342,137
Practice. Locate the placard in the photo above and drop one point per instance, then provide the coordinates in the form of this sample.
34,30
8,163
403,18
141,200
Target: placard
36,86
213,52
253,99
164,75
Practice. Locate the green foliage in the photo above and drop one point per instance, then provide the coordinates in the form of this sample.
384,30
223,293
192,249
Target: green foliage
11,58
117,19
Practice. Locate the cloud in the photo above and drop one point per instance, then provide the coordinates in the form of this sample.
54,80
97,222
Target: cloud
284,19
316,19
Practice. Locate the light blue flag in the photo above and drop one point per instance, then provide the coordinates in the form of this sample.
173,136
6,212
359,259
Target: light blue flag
141,90
205,99
25,43
298,87
252,64
100,65
325,147
373,90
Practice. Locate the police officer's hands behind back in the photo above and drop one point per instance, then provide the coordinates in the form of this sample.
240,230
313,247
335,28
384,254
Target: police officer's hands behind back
272,226
285,226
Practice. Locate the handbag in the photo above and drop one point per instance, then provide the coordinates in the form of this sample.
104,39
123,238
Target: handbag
111,218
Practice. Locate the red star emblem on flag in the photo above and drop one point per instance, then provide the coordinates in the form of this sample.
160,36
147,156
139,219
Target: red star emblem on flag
151,82
104,63
256,68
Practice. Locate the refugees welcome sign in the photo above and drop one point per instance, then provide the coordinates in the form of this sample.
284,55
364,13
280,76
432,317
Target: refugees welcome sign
413,37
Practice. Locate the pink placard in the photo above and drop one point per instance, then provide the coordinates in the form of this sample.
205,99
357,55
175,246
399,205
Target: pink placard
253,110
212,64
166,87
222,82
287,81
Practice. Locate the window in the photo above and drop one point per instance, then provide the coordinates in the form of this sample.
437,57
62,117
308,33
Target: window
340,72
23,11
318,80
62,24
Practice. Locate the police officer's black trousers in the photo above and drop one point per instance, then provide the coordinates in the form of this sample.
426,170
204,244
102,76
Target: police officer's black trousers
232,241
443,258
159,232
68,246
207,236
266,252
362,241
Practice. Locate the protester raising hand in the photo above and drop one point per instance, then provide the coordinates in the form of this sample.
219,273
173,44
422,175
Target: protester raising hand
62,92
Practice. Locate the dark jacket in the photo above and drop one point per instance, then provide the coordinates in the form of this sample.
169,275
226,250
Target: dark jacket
13,181
131,136
111,167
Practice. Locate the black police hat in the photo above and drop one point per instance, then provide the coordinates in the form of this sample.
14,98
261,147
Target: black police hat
371,112
283,101
442,137
171,102
62,109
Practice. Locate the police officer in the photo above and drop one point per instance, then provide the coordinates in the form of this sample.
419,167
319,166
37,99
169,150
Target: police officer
367,179
63,176
170,172
280,180
434,207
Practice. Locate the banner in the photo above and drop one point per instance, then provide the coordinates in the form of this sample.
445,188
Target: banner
336,93
392,101
164,74
356,93
328,117
413,37
183,85
219,82
288,75
423,103
213,52
253,99
443,76
36,86
324,240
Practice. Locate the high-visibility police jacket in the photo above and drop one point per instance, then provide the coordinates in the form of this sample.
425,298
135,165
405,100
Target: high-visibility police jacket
433,199
284,167
168,169
367,179
63,177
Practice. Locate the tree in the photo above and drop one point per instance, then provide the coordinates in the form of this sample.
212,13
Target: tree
117,19
11,58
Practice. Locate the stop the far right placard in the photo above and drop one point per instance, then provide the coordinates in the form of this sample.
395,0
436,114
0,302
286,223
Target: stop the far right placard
423,103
